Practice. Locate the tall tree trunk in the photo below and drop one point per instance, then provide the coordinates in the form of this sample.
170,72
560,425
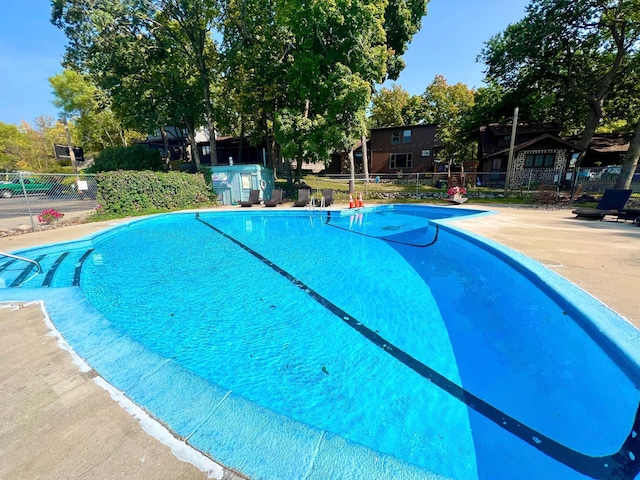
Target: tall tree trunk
352,169
596,99
299,166
365,158
630,162
307,104
208,105
191,135
241,142
287,170
109,137
270,144
165,143
211,124
593,120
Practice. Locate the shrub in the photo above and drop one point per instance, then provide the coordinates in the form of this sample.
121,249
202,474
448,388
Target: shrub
134,193
135,157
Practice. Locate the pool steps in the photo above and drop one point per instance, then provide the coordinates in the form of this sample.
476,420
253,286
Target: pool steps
57,269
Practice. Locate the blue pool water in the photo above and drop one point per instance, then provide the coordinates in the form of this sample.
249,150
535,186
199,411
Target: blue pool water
377,342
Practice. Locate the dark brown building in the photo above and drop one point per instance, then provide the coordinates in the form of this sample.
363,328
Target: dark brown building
539,153
410,149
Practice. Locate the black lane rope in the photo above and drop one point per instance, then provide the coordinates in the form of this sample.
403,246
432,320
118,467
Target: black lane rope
622,465
435,238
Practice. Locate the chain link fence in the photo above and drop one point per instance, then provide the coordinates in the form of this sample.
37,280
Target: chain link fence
25,198
421,186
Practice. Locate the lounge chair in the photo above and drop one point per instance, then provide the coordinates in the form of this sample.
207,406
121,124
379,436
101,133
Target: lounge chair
628,214
276,198
254,198
612,201
327,195
303,198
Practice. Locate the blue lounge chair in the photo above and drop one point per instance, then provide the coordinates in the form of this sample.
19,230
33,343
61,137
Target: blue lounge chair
612,201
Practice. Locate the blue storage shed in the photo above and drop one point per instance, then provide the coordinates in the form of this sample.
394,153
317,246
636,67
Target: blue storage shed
232,183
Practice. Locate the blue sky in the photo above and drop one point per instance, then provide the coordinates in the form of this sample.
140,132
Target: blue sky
452,36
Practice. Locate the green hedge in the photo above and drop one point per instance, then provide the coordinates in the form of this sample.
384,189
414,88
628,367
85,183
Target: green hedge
135,157
134,193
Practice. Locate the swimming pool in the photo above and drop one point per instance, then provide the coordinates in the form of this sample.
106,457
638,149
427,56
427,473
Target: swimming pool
380,343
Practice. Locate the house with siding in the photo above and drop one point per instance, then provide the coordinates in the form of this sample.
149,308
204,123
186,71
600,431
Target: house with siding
406,149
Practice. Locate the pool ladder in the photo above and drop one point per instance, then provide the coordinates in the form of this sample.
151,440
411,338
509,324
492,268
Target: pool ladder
313,207
24,259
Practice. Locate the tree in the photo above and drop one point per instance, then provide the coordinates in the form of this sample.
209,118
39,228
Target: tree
445,105
81,99
402,20
38,154
12,143
339,50
256,55
395,107
190,24
625,105
95,30
571,49
27,147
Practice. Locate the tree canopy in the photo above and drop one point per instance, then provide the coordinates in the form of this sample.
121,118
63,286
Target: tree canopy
445,105
79,98
301,72
394,106
568,53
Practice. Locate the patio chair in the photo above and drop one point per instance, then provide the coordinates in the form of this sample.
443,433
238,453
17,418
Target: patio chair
303,198
612,201
254,198
545,196
276,198
327,195
571,198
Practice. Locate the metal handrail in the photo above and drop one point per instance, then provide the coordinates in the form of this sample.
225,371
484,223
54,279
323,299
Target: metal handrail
17,257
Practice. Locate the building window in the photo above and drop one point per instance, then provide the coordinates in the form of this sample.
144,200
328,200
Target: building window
539,160
406,136
395,137
425,153
400,160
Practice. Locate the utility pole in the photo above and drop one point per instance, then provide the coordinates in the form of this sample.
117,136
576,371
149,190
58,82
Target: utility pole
514,128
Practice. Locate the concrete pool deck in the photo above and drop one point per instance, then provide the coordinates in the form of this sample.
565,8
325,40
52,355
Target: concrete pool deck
58,423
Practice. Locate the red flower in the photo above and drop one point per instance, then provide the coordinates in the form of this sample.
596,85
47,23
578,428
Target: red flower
49,216
457,190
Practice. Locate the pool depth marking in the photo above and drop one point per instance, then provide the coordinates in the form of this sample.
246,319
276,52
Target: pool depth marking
622,465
